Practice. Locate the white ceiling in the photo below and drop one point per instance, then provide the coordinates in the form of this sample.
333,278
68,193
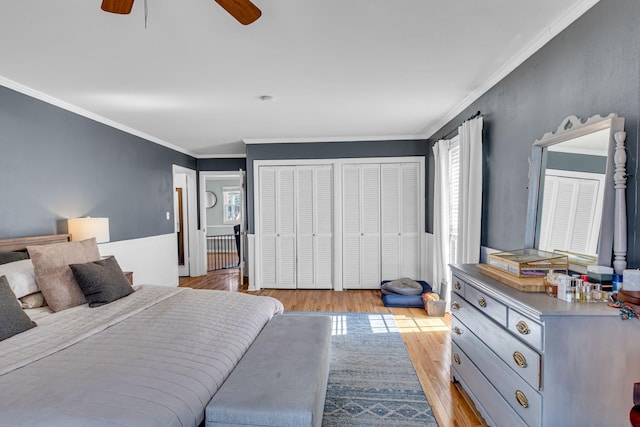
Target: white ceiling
337,69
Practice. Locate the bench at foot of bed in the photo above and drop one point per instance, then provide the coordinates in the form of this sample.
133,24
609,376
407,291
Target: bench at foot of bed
281,380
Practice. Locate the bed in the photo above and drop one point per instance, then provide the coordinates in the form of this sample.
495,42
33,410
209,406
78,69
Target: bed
152,358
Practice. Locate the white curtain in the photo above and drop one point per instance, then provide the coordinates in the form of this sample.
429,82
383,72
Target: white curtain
470,202
441,215
467,247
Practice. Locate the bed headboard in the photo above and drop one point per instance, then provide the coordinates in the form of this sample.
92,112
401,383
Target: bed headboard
21,243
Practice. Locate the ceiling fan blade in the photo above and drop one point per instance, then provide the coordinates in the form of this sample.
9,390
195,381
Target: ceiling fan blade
122,7
244,11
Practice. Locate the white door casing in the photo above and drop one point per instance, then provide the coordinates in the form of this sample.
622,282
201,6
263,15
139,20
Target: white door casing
192,243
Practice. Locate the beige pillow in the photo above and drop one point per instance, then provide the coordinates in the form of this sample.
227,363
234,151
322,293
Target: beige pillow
33,301
54,277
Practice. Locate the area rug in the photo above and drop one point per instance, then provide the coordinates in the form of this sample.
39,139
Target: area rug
372,381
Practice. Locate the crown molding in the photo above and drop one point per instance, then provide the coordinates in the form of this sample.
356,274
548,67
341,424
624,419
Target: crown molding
222,156
333,139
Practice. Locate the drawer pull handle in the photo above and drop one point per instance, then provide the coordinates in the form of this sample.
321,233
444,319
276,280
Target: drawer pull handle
455,305
520,360
456,358
522,327
522,399
457,330
482,302
457,286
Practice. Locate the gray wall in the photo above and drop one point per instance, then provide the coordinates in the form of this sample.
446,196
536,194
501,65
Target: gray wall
222,164
325,150
592,67
55,165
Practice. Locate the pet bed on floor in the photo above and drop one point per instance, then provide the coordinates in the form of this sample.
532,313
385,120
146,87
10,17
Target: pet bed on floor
408,301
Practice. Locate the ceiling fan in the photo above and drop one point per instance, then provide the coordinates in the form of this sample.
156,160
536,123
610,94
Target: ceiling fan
243,11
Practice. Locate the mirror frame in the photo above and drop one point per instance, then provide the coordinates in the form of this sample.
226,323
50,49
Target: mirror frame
613,229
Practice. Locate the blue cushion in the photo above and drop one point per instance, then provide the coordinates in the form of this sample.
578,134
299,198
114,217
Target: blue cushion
409,301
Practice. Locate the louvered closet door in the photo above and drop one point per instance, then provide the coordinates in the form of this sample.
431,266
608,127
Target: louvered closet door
361,226
314,227
277,227
400,193
268,246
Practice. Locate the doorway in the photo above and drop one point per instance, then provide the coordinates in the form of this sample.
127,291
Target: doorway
223,222
185,221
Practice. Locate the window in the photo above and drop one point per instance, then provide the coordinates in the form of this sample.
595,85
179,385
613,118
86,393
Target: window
454,190
232,205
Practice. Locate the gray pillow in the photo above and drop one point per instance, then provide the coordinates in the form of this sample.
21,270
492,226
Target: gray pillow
7,257
404,286
13,320
101,281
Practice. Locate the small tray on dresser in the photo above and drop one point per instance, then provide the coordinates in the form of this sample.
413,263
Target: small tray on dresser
523,284
528,262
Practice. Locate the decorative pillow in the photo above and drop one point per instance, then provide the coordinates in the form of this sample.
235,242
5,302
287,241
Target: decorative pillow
101,281
33,301
54,277
7,257
13,320
20,276
404,286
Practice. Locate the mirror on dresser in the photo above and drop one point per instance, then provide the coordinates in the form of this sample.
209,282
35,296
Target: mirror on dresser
577,191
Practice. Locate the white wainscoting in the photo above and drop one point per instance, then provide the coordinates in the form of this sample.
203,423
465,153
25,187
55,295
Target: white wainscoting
251,260
153,260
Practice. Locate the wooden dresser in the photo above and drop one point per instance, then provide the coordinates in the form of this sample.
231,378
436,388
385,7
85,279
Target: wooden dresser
527,359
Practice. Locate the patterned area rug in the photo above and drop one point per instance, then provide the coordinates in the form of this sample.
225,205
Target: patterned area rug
372,381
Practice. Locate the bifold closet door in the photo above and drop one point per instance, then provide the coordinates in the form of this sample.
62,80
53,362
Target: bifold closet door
400,195
314,226
277,227
361,226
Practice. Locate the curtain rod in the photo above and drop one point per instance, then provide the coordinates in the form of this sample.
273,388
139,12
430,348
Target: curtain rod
453,132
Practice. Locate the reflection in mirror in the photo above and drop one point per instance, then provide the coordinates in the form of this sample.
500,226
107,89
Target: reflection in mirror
571,194
573,205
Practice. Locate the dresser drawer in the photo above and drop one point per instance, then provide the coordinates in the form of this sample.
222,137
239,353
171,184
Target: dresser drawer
526,401
487,305
458,286
522,359
489,401
525,328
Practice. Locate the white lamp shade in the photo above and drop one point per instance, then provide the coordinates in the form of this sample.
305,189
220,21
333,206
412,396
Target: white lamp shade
86,228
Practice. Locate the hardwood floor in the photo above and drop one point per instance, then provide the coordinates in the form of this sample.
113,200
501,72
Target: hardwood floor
427,338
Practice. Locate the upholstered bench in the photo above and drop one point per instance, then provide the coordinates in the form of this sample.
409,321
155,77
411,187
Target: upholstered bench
282,378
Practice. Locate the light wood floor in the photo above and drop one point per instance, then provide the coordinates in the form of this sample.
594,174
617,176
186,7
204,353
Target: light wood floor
427,338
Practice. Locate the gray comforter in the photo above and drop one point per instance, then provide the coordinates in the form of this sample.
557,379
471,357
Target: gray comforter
154,358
